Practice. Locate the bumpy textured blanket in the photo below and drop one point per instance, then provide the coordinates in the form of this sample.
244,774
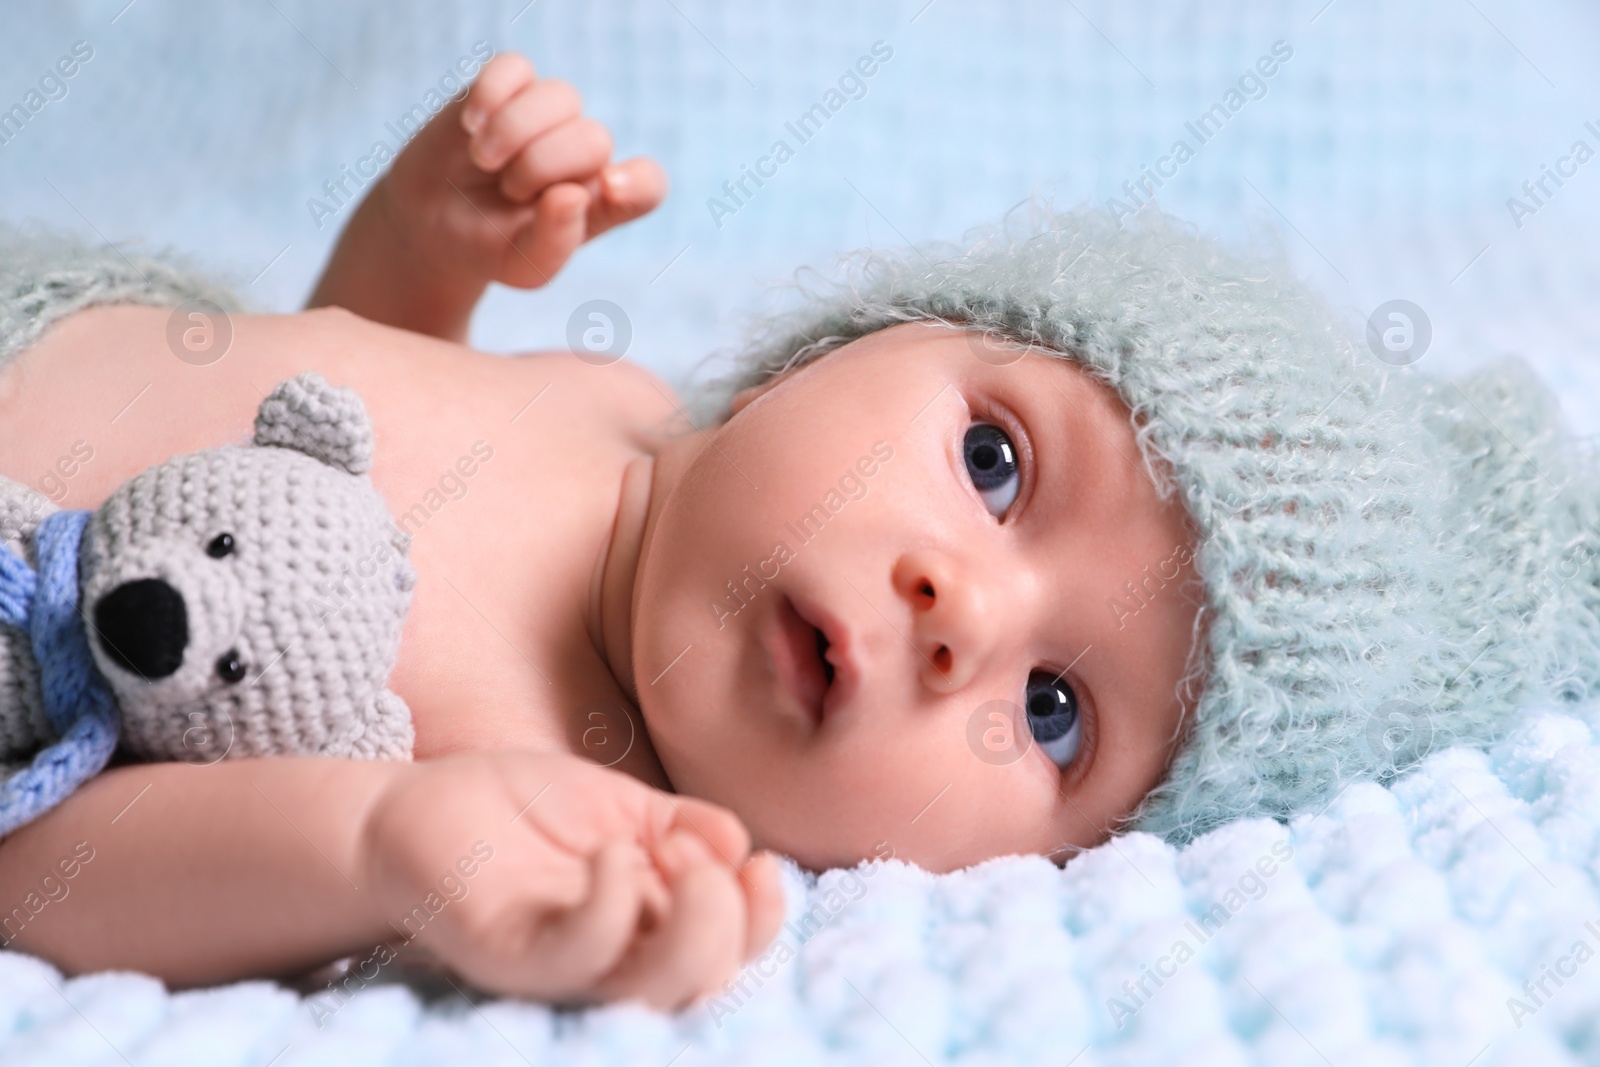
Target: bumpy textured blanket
1451,919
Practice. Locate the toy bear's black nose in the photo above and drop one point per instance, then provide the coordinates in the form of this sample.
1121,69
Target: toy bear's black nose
143,627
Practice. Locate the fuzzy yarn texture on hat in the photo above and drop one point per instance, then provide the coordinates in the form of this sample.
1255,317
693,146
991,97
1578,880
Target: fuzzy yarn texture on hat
1391,561
46,276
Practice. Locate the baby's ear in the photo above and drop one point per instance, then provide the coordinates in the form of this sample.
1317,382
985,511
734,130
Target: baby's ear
743,397
327,423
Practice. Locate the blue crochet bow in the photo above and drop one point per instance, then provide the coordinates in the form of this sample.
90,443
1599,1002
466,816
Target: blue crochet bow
77,701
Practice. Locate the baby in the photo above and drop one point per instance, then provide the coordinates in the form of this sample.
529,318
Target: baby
1059,534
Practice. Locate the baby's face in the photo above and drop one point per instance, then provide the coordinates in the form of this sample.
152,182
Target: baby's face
887,608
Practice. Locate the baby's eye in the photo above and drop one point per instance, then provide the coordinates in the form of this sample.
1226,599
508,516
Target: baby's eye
1053,716
992,466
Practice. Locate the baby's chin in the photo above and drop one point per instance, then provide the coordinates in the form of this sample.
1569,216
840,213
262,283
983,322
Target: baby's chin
820,855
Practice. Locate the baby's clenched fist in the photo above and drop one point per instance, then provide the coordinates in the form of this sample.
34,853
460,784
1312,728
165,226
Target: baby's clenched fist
598,887
507,183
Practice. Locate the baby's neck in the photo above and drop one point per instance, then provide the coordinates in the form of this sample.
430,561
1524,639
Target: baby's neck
646,484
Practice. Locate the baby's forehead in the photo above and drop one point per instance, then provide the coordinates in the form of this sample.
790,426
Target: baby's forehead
995,359
1068,407
959,342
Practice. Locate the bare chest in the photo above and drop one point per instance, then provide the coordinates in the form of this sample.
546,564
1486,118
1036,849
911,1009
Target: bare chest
504,471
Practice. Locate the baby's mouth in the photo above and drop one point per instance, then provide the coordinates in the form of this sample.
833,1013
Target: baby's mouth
798,652
822,654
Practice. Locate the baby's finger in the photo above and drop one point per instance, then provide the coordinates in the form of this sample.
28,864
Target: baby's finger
627,190
763,892
500,79
585,943
570,152
547,242
536,109
718,828
700,943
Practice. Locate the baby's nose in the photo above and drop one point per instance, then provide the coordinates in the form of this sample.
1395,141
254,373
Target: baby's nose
143,626
951,618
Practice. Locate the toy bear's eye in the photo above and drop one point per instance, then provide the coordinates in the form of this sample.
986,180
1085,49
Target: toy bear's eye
230,668
221,545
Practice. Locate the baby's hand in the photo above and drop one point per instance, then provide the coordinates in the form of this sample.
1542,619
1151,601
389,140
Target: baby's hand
587,885
507,183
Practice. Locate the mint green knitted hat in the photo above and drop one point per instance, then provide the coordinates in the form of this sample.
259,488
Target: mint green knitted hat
1392,562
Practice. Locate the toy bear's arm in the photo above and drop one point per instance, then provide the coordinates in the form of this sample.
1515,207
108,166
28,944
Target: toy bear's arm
23,726
21,508
390,731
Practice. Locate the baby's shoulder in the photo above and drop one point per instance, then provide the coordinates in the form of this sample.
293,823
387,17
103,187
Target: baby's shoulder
627,389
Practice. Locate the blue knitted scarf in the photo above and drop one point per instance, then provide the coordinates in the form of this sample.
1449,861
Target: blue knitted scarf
77,701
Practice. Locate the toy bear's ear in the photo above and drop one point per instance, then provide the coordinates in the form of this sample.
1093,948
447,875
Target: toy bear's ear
328,424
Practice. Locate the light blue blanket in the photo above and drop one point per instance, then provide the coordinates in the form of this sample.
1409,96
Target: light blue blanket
1453,919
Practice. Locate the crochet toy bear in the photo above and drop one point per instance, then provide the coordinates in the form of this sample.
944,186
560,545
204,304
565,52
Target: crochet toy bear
243,601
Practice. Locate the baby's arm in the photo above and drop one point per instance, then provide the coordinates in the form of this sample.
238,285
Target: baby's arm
501,186
529,874
200,874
